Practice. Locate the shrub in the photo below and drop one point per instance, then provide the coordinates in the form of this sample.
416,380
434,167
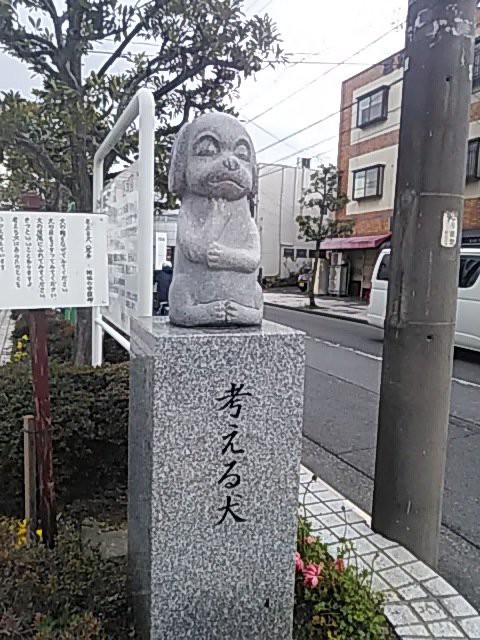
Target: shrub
68,593
61,337
333,599
90,425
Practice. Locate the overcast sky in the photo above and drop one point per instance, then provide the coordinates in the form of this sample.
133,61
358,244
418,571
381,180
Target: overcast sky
314,32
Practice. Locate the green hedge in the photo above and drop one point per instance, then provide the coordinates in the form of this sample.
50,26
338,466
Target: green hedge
68,593
61,336
90,418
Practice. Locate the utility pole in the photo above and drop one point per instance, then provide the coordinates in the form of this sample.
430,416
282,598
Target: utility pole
422,296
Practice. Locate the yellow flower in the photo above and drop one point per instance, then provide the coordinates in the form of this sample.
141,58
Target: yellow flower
39,534
25,338
19,345
22,532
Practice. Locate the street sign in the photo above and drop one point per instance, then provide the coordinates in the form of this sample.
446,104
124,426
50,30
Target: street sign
52,260
160,249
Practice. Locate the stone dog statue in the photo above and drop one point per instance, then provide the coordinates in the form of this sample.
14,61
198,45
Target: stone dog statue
213,169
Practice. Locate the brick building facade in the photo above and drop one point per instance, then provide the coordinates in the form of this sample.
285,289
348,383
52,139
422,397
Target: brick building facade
367,158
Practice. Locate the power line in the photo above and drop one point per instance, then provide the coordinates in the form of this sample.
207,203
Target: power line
292,62
251,5
315,80
272,135
390,127
322,62
289,67
317,122
265,6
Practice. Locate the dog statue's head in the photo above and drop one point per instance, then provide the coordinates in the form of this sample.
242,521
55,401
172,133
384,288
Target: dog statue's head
213,157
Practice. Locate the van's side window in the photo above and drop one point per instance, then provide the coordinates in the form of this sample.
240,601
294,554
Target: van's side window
469,271
384,268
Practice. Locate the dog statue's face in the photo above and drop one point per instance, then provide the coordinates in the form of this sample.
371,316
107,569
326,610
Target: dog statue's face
214,158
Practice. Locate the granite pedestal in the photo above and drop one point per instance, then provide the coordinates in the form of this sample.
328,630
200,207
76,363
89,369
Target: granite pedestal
214,458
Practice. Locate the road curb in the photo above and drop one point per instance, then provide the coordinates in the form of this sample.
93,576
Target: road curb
419,603
317,313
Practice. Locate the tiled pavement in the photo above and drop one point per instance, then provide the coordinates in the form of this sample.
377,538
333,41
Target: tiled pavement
419,602
6,328
336,307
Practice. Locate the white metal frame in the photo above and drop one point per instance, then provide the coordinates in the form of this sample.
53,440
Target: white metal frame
142,106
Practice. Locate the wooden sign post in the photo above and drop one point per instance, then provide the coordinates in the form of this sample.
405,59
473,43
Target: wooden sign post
43,424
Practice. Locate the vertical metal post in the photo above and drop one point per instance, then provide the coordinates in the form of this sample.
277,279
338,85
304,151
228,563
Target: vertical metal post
97,331
146,125
43,424
423,288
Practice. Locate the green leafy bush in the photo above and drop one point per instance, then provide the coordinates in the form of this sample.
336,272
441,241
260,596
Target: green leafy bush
90,425
68,593
61,336
333,599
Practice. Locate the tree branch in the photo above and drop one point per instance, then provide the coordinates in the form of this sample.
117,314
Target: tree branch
41,156
56,19
168,131
128,39
187,74
17,35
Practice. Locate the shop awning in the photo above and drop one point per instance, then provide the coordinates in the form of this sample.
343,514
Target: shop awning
354,242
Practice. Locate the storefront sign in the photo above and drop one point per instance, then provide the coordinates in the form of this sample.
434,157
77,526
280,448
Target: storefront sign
52,260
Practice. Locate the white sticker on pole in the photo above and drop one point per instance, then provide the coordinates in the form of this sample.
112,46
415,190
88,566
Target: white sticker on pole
52,260
160,249
449,229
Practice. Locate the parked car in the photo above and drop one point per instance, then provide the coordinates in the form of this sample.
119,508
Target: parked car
467,331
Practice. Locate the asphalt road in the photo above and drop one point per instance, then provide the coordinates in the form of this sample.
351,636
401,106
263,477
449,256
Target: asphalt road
341,402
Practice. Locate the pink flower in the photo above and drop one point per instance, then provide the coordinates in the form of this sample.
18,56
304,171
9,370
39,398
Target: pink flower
310,539
299,565
339,565
311,575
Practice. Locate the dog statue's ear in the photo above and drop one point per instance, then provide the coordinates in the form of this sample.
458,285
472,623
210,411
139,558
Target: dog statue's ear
178,162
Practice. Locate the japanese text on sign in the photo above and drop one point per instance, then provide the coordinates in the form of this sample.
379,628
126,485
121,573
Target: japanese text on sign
52,260
119,202
231,404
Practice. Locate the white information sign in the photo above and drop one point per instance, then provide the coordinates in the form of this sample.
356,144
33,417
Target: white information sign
160,249
52,260
120,204
449,229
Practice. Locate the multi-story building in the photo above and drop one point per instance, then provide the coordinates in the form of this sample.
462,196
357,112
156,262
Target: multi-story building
280,190
371,105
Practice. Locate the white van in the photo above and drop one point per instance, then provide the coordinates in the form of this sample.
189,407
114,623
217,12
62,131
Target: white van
467,333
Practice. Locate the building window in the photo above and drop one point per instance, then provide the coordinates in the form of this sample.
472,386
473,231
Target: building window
301,253
469,271
384,268
476,65
372,107
288,253
472,160
368,182
312,253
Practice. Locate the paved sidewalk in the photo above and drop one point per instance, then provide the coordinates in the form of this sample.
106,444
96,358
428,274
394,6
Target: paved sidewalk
345,308
6,328
419,602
